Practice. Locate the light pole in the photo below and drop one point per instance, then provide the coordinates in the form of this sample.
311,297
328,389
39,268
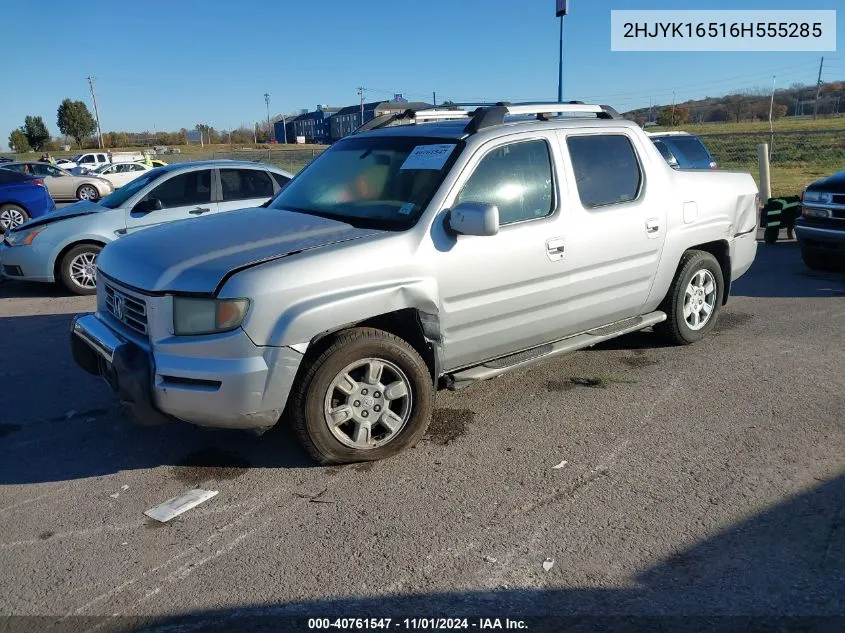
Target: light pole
561,9
269,129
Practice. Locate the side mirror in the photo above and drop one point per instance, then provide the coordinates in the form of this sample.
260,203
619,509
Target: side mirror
148,204
474,218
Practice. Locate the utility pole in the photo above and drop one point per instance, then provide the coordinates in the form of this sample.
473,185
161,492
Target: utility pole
771,124
818,89
96,113
434,99
650,110
673,107
361,95
267,101
772,104
255,133
562,8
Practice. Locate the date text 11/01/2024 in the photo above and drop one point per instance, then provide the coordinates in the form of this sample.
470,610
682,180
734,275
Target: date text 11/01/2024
429,624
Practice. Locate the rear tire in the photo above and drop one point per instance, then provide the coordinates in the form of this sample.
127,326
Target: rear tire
12,215
385,408
694,299
78,269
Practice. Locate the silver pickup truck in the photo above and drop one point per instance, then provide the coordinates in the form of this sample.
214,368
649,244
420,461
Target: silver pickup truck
428,250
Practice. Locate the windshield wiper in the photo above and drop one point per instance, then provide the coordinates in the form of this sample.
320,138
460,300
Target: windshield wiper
356,221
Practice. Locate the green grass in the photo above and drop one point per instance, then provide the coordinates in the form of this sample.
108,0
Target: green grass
780,125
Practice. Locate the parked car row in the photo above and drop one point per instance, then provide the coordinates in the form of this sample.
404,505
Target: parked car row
63,245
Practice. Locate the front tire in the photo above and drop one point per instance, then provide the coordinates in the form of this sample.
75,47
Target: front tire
88,192
78,269
368,396
12,215
820,261
694,299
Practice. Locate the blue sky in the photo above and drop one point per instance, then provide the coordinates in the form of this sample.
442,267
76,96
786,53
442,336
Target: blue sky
166,65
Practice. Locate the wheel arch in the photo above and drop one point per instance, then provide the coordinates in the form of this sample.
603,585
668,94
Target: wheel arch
417,328
57,262
720,249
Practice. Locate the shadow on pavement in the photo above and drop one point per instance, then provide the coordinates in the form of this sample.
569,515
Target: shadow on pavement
59,423
21,290
779,272
780,570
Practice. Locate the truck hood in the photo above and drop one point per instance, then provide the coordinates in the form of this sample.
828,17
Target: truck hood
832,184
83,207
196,255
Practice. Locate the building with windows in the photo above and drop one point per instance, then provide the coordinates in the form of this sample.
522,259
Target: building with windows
348,119
314,126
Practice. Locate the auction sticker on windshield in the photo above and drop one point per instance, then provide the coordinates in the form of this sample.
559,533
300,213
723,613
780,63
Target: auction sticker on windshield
428,157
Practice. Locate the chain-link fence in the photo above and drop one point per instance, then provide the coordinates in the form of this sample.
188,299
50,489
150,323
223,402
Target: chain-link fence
291,160
796,158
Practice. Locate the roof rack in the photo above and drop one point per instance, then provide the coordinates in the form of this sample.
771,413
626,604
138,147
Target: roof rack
413,116
489,114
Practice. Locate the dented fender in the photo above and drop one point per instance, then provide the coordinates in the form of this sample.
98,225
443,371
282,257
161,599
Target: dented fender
302,321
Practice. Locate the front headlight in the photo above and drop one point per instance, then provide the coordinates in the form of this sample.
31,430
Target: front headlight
815,212
23,238
818,196
207,316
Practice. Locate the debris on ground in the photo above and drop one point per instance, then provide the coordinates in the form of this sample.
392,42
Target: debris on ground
548,564
124,487
490,559
115,495
314,498
560,465
179,504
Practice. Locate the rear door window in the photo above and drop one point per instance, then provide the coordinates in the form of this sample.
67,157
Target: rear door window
186,189
244,184
606,169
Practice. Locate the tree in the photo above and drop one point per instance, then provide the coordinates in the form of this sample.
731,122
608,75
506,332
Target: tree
36,132
75,120
673,115
18,142
448,104
737,106
779,111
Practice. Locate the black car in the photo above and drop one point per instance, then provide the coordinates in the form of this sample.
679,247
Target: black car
821,227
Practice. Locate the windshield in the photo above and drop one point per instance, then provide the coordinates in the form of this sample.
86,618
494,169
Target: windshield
125,192
385,182
101,169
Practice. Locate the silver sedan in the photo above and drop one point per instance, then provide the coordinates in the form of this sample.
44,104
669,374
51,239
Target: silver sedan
63,245
63,185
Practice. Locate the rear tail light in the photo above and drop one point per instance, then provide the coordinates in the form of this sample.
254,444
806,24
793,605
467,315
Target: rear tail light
38,181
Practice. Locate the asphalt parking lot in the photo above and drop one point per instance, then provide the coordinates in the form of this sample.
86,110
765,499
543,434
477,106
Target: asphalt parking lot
704,480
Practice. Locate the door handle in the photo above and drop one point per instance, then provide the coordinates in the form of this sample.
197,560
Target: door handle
198,211
652,226
555,246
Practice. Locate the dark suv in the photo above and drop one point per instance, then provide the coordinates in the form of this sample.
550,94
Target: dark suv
821,227
683,151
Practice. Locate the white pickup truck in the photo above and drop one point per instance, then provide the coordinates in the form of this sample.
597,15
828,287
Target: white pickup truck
92,160
408,258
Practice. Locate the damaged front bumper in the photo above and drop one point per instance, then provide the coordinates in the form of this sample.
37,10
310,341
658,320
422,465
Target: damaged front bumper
235,384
